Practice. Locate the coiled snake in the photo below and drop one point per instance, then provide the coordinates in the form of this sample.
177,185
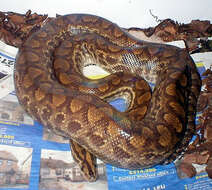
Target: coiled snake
51,87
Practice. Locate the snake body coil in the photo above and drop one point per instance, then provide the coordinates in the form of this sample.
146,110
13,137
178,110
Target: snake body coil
51,87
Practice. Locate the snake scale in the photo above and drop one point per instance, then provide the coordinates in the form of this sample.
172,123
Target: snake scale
156,125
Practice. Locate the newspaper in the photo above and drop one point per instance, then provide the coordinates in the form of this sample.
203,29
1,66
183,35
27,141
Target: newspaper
33,158
7,60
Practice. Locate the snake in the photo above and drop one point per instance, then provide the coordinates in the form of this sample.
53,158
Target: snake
159,120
